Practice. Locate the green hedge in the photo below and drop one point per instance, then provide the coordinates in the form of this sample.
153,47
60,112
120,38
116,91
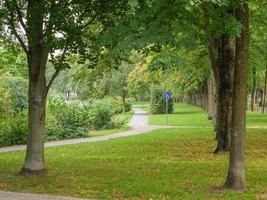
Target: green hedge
158,103
64,119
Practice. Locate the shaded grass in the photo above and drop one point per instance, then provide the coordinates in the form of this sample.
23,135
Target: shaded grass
163,164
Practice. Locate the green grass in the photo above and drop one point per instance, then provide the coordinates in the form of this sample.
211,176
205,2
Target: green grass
165,164
189,115
256,119
183,115
143,105
108,131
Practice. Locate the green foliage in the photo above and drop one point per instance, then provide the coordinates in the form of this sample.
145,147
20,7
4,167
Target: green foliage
13,94
65,120
99,116
13,130
158,103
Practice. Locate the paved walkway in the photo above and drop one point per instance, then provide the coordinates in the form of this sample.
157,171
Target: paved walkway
138,124
27,196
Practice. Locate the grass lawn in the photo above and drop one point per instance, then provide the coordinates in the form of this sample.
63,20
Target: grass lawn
143,105
164,164
188,115
183,115
108,131
256,119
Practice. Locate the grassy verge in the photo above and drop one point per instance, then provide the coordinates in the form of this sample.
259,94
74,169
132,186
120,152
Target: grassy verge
143,105
189,115
164,164
124,117
183,115
108,132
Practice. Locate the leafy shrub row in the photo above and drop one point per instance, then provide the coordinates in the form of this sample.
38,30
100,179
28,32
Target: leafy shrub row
65,120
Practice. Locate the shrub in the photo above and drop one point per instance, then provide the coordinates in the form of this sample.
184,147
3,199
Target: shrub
65,120
100,115
13,130
158,103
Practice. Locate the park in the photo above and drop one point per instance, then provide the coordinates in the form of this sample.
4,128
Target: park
133,99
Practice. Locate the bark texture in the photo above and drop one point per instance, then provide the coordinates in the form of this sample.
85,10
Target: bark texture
236,171
222,56
224,93
253,92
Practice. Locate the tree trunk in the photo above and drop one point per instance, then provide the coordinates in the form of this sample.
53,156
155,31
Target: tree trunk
252,103
224,109
236,171
264,91
123,103
211,104
34,161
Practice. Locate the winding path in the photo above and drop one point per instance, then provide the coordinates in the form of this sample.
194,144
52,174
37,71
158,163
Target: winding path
138,124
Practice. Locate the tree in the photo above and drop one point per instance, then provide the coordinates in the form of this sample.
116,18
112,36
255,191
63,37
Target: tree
118,82
50,30
236,171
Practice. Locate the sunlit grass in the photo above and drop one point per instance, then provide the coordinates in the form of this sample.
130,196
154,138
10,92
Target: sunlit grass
189,115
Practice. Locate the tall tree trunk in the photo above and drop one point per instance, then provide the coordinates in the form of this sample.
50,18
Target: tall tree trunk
252,103
37,57
264,91
34,161
222,56
224,108
211,97
123,103
236,171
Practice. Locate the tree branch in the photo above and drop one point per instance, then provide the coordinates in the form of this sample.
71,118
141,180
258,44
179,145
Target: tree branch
52,80
62,58
13,29
90,22
20,18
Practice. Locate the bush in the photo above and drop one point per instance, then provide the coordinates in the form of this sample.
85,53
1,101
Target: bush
158,103
65,120
13,130
100,115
